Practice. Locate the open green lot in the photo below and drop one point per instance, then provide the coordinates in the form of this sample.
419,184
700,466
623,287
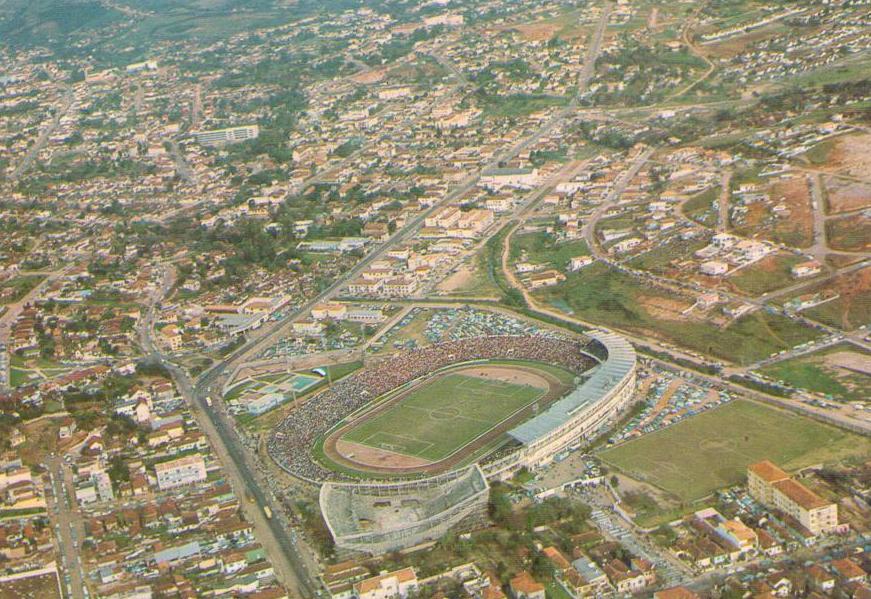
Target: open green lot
441,416
543,248
16,288
831,371
603,295
773,272
715,448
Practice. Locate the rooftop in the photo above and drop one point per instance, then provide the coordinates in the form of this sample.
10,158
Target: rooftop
620,361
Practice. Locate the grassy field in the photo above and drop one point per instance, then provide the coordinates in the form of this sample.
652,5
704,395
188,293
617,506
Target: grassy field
816,373
439,417
851,233
603,295
19,286
515,105
770,273
716,447
543,248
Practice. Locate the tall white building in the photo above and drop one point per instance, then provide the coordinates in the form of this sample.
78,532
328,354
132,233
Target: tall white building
229,135
183,471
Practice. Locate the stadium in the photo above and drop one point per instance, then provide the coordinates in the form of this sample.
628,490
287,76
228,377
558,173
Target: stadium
402,450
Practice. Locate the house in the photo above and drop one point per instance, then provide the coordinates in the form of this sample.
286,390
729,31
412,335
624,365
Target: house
376,231
806,269
772,487
713,268
389,585
524,586
363,286
520,178
547,278
821,580
578,262
676,593
628,579
560,562
596,581
179,472
67,428
849,571
332,311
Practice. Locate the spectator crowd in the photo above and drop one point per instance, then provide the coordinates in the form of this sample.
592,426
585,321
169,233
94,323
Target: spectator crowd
291,443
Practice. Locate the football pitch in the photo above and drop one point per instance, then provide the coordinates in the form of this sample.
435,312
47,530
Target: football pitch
443,415
697,456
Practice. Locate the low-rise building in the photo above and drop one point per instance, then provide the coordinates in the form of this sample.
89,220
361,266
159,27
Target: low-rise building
390,585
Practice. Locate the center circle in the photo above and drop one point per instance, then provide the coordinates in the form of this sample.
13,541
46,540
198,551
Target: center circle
444,413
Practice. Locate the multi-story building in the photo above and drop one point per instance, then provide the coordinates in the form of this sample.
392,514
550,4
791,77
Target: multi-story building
183,471
229,135
773,487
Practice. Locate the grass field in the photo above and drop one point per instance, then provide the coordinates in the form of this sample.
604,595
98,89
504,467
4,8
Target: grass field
715,448
604,295
816,373
440,417
543,248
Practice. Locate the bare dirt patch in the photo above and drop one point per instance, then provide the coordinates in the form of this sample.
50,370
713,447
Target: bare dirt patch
508,375
377,458
536,32
463,278
850,233
369,77
846,196
664,308
848,360
851,155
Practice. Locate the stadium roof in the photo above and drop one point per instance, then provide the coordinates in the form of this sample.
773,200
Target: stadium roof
621,360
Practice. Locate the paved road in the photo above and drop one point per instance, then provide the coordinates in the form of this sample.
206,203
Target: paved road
723,202
63,512
182,167
611,200
43,137
589,68
279,542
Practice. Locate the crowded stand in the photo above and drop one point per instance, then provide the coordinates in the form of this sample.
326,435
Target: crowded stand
291,443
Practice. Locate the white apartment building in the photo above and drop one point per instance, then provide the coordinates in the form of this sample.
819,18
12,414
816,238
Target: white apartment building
183,471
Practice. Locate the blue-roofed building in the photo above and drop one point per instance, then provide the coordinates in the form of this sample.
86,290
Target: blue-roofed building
180,553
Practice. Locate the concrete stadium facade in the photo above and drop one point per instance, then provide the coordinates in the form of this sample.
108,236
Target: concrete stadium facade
569,423
580,416
378,517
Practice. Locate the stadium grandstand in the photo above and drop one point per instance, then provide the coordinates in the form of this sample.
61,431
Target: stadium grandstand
380,517
582,414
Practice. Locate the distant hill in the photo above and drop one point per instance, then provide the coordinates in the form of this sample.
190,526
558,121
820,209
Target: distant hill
51,22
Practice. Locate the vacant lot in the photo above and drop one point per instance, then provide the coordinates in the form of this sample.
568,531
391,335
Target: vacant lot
15,289
543,248
842,372
853,308
770,273
845,196
440,417
603,295
716,447
846,155
851,233
786,218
